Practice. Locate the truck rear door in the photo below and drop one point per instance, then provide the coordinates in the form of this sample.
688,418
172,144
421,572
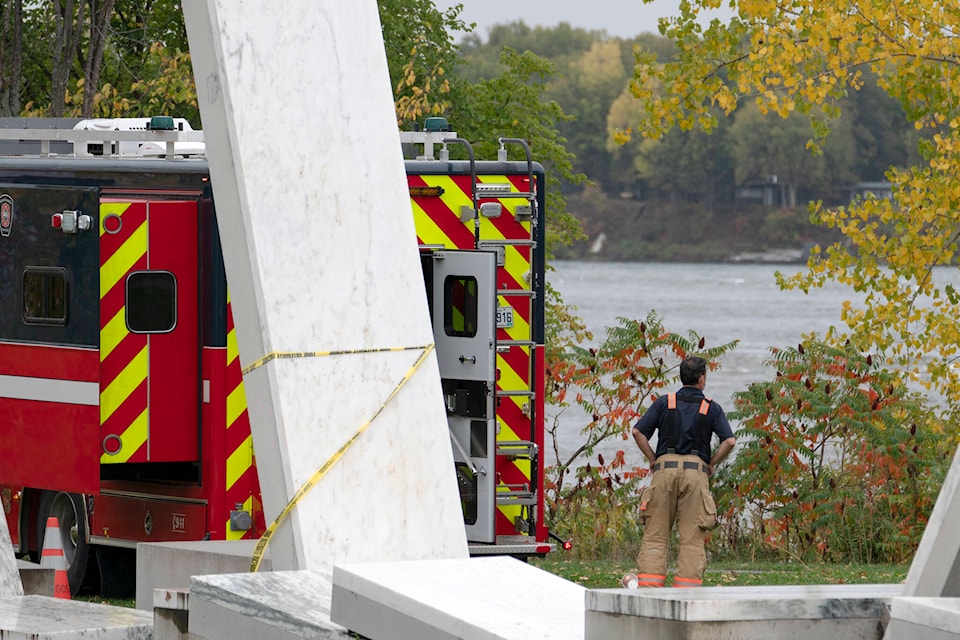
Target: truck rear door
463,306
149,333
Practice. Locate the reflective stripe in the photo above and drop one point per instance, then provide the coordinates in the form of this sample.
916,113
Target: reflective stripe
650,580
704,406
684,583
671,401
50,390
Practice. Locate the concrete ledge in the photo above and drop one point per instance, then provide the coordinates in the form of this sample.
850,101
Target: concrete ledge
41,618
170,565
788,612
933,618
171,615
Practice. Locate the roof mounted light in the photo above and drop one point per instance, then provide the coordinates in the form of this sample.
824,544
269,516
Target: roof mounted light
161,123
436,124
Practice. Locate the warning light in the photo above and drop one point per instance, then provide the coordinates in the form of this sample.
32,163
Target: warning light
71,221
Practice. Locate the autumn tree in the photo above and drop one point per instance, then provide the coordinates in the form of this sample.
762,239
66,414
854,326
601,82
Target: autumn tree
839,460
587,88
420,54
11,57
806,56
80,32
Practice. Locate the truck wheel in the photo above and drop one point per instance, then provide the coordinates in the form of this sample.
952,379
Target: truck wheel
68,509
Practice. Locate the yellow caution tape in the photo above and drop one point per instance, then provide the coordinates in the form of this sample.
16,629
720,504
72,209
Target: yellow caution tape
322,471
280,355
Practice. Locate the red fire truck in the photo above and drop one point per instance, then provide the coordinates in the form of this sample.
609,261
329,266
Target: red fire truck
121,395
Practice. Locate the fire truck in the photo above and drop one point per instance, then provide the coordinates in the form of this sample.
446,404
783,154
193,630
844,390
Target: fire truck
121,393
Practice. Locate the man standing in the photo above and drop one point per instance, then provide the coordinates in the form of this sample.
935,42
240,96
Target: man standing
680,490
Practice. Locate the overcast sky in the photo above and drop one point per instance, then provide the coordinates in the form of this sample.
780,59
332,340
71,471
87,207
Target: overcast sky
623,18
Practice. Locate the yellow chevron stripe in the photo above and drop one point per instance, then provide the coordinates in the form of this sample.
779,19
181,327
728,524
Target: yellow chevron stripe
452,196
113,333
238,535
131,440
107,208
232,351
427,229
517,266
117,391
236,404
239,461
510,379
120,262
507,434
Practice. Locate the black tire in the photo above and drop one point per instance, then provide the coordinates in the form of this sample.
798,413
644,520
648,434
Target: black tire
71,516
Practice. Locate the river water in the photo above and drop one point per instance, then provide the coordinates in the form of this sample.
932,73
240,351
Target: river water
721,302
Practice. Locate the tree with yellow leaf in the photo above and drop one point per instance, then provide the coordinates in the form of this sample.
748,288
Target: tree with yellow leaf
804,56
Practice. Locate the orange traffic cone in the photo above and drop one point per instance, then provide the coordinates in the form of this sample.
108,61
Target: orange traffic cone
52,557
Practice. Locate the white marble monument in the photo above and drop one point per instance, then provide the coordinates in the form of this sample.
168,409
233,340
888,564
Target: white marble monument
321,255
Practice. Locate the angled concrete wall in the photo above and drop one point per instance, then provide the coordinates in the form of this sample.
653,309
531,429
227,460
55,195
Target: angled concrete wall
321,254
935,570
10,584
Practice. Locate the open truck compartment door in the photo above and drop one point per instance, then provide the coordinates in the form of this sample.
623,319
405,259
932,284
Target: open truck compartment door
463,306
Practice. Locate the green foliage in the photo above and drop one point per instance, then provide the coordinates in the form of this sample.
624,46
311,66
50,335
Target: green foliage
699,167
587,86
146,68
590,87
511,105
420,54
837,460
555,43
590,498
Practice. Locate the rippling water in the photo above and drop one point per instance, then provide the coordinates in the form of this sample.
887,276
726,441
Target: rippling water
721,302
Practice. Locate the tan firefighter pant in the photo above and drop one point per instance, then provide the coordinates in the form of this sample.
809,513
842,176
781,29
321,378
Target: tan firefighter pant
677,494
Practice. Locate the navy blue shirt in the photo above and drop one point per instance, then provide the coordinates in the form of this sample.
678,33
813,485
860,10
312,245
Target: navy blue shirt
684,445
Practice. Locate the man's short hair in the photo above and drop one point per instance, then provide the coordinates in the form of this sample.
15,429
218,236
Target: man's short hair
691,368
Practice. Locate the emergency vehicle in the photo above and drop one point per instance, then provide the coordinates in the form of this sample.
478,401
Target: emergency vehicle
121,394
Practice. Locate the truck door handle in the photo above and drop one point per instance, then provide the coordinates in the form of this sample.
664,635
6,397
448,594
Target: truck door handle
464,359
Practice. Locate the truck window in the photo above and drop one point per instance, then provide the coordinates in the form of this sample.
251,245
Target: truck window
45,295
460,306
151,302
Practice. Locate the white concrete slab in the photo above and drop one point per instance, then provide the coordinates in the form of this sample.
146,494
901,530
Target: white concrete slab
266,606
810,612
480,598
935,569
923,617
321,254
42,618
